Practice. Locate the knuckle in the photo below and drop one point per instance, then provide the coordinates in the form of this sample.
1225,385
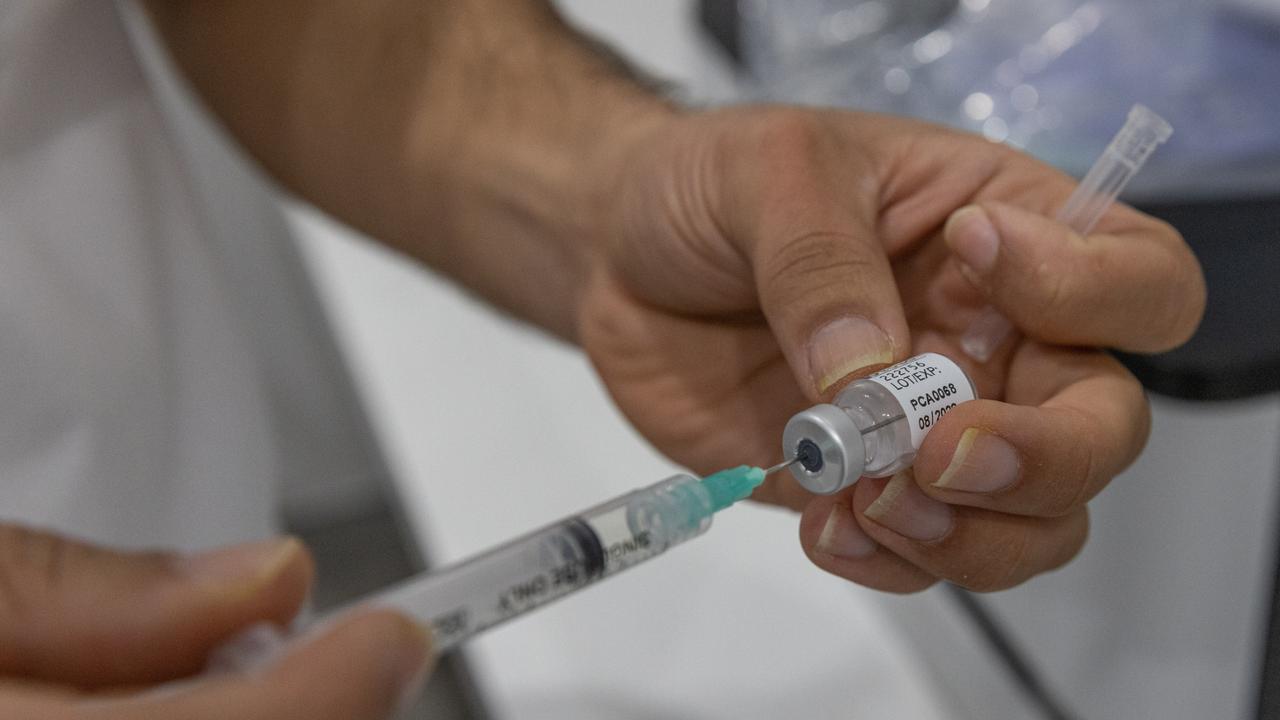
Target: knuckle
1141,426
812,260
1087,466
1081,475
1087,476
901,586
1175,289
1073,543
1127,428
1053,292
1186,304
1001,565
1067,495
37,567
788,134
788,153
31,568
13,601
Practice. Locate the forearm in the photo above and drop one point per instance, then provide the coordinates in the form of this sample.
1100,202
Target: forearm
474,135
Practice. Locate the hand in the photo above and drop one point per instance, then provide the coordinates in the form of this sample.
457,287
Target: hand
757,259
89,633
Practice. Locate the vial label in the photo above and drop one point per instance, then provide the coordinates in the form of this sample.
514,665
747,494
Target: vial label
927,387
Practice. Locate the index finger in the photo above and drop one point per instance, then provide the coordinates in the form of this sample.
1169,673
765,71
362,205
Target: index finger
1133,285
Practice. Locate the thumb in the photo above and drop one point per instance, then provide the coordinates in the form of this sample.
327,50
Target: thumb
829,294
821,271
832,303
74,613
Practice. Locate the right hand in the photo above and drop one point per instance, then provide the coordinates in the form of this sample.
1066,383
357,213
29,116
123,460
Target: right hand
94,634
754,260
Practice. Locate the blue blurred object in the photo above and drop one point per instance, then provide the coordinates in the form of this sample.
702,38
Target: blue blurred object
1055,77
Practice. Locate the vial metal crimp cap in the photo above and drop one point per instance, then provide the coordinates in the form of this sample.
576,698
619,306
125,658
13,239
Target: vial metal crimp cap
828,449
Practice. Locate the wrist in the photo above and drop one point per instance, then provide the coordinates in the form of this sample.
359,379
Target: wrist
515,157
619,115
613,157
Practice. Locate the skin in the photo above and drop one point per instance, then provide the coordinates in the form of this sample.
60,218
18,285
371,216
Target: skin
698,322
695,256
91,634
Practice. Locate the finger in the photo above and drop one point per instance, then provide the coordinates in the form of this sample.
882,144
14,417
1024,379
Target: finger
364,668
975,548
1133,285
74,613
32,702
835,542
1047,460
821,272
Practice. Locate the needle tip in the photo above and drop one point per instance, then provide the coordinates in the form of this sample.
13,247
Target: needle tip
781,466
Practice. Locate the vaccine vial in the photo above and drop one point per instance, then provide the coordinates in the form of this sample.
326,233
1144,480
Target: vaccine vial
875,425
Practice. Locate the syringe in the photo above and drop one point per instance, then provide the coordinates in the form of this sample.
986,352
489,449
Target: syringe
474,595
1122,159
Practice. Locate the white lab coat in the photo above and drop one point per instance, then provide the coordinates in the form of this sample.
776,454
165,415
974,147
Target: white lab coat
163,363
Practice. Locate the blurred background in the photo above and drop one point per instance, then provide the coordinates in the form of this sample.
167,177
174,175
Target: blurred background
739,624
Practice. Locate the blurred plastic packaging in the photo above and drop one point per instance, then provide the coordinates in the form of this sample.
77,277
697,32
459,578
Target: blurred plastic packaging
1052,76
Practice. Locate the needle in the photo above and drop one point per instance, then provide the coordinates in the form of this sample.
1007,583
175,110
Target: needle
782,465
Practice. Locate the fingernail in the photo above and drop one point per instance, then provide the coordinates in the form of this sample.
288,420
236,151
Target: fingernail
414,661
974,240
844,346
249,564
905,509
983,463
841,536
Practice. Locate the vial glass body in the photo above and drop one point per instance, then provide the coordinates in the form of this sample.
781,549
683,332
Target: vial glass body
883,424
875,425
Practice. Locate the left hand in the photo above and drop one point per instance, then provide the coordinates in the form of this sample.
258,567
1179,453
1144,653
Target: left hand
89,633
759,258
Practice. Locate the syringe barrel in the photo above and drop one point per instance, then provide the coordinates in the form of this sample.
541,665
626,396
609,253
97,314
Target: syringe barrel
508,581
